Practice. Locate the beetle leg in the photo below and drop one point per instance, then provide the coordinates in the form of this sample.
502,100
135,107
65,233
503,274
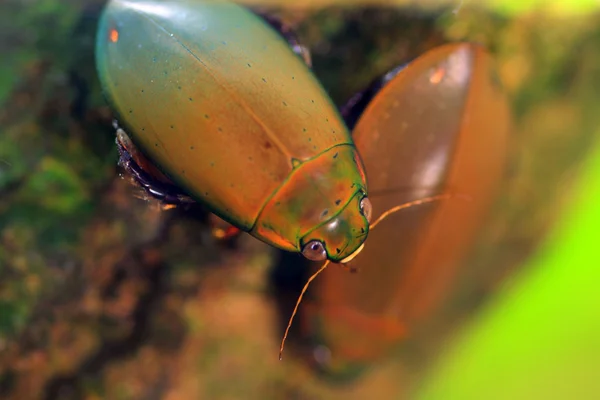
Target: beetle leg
222,230
154,183
353,109
289,34
159,187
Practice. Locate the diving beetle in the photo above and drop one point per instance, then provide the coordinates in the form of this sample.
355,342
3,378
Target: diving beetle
227,110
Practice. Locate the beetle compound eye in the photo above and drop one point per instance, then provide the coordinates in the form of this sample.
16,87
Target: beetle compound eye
366,208
314,251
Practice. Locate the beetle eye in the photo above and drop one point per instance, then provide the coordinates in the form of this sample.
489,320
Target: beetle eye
366,208
314,251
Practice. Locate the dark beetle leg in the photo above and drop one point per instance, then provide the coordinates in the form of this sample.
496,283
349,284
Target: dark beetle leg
131,160
289,34
159,187
353,109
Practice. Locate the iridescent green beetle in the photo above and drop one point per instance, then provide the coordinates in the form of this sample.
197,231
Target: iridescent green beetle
223,106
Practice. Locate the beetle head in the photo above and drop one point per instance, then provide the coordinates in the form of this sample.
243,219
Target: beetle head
342,236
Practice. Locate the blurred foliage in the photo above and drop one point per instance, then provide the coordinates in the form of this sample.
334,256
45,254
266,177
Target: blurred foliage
558,8
104,296
539,337
51,168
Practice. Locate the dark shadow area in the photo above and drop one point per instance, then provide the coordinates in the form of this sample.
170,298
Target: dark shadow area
153,272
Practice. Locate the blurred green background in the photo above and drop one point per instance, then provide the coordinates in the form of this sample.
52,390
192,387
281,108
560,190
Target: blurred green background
103,295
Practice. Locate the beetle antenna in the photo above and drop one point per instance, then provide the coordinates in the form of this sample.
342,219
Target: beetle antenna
416,203
297,305
377,221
